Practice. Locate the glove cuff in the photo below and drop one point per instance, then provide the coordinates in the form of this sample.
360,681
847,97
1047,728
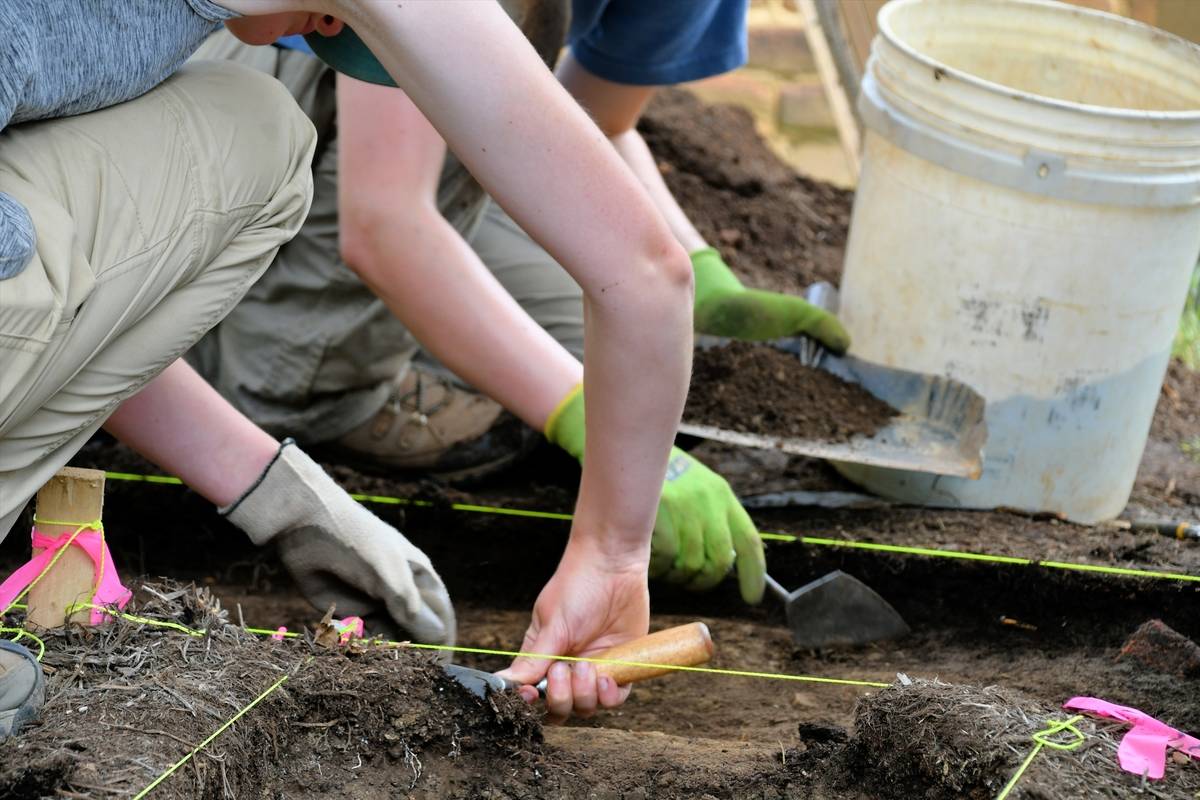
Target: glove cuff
713,276
287,492
566,425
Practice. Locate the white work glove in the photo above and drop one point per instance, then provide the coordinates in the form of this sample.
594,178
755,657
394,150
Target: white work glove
340,553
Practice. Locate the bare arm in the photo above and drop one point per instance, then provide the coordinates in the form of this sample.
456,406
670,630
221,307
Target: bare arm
723,306
395,239
181,424
483,86
616,108
473,75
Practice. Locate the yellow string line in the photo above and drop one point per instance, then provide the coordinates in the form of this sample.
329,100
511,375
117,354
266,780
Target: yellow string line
815,541
133,476
1134,573
21,633
1042,739
161,623
896,548
267,632
171,770
778,676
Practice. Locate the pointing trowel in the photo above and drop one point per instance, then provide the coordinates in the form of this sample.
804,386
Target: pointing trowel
838,610
647,657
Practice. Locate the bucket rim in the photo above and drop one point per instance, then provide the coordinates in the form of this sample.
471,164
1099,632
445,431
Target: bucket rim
896,6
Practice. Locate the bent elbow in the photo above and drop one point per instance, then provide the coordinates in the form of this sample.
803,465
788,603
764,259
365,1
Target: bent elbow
367,233
682,272
359,225
673,272
354,244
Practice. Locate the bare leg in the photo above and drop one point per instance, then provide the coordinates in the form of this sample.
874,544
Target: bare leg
181,424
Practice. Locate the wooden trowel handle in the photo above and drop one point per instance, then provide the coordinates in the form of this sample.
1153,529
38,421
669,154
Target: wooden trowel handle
682,646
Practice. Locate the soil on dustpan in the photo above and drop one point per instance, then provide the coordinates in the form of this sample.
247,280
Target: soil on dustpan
756,388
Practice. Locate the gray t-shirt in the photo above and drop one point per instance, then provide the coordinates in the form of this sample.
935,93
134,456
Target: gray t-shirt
65,57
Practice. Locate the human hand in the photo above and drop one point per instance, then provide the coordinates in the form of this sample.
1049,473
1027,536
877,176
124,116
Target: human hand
700,530
340,553
724,307
590,604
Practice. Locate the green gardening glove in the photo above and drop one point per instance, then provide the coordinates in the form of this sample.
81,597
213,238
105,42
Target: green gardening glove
701,530
726,308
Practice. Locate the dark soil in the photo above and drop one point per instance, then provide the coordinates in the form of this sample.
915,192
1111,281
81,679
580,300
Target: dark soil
126,701
757,388
1178,417
1168,483
776,229
686,736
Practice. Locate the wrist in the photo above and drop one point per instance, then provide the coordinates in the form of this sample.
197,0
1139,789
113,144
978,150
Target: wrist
292,491
604,549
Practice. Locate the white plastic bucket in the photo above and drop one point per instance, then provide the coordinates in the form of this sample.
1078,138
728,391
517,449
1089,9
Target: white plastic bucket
1027,220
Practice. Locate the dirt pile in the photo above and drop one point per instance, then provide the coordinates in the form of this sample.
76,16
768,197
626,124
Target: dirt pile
776,229
126,700
757,388
941,741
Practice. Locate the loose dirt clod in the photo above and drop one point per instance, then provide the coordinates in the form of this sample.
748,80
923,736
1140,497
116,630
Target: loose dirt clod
1157,646
756,388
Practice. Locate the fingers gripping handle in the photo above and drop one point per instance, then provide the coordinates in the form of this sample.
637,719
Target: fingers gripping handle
682,646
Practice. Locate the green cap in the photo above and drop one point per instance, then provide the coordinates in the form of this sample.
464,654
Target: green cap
347,54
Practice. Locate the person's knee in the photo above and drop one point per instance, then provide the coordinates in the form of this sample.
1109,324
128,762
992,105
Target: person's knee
249,129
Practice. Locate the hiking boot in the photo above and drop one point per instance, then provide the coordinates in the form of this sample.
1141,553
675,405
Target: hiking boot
429,425
22,687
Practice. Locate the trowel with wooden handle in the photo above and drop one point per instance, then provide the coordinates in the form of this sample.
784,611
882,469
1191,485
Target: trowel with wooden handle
647,657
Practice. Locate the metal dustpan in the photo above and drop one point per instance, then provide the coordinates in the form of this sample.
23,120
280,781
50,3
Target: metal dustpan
940,427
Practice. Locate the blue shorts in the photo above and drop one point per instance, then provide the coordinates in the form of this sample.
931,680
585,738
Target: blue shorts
658,42
294,43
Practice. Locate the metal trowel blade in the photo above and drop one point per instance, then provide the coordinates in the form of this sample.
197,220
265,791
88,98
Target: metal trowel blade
478,681
839,610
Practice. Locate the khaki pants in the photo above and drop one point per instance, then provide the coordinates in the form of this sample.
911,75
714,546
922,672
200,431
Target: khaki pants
153,218
311,352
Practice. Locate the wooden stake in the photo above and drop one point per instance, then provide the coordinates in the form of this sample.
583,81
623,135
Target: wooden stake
73,496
